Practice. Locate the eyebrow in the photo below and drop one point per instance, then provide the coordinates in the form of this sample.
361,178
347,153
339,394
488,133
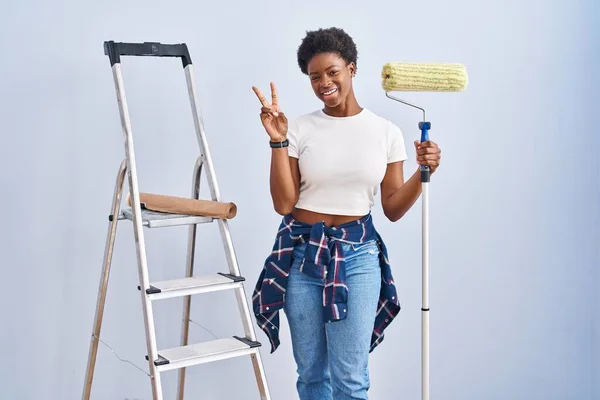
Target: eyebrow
331,66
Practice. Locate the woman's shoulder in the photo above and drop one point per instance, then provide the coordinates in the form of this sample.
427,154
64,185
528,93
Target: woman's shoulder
305,122
380,124
308,117
378,118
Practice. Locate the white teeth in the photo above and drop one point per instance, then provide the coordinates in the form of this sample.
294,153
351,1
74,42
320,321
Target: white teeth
332,91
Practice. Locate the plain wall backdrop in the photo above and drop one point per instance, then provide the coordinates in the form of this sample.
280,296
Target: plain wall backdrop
514,206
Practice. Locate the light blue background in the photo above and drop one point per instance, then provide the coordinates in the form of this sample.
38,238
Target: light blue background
514,207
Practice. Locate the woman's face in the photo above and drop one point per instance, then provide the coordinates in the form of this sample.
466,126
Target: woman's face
331,78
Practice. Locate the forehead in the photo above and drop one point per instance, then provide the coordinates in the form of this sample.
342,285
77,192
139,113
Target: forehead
324,61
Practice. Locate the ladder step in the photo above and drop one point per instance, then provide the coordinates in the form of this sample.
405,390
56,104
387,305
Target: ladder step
194,285
200,353
155,219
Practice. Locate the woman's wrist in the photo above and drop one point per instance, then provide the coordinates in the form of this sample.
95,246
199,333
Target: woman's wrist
275,144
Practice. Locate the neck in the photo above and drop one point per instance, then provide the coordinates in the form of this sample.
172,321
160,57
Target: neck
346,108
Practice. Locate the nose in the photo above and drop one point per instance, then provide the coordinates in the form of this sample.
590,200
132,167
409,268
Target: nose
325,82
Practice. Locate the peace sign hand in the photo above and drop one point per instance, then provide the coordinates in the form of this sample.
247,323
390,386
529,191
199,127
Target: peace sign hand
273,119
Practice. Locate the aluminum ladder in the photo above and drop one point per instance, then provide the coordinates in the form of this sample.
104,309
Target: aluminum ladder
188,354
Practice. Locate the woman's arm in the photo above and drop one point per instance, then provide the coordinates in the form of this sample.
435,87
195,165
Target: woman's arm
284,181
285,175
397,196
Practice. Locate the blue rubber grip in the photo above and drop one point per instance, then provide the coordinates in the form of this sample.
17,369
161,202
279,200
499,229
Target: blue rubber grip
424,127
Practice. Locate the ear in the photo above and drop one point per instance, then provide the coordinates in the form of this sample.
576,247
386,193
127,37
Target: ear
352,69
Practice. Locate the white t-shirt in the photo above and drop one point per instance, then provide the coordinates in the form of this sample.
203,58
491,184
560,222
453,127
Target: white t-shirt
343,160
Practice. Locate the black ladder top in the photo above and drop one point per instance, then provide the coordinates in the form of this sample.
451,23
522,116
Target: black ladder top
114,51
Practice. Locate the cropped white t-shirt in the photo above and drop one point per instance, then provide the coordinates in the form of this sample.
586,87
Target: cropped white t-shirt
343,160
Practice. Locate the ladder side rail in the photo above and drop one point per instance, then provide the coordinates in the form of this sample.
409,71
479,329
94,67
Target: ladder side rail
138,232
101,298
216,196
227,241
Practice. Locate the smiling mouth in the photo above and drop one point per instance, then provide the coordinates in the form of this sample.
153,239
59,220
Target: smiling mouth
329,92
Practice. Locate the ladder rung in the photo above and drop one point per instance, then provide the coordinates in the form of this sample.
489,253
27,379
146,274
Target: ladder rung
194,285
154,219
200,353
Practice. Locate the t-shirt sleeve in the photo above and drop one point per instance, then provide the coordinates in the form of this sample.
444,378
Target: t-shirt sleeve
396,145
292,136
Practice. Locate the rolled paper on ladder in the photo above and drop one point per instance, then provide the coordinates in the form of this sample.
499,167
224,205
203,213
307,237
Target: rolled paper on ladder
424,77
186,206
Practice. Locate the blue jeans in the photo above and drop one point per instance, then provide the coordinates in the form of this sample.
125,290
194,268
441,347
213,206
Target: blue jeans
332,359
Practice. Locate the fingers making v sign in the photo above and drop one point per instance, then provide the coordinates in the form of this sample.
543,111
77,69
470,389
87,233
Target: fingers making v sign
271,116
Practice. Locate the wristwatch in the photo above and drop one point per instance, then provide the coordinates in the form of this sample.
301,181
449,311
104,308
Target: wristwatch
284,143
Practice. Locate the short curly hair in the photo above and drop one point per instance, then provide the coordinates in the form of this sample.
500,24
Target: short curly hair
326,40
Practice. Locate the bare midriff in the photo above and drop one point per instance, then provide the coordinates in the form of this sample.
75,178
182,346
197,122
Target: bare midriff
311,217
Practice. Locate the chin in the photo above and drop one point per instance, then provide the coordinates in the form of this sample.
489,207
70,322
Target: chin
332,102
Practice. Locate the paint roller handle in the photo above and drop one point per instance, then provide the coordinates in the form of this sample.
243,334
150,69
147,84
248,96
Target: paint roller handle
114,51
425,171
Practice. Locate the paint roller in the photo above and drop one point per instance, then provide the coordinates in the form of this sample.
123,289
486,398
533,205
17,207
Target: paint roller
423,77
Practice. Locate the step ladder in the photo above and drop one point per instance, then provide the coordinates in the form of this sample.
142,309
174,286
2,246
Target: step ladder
188,354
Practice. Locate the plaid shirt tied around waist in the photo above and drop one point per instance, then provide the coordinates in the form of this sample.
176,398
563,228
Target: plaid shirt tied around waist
323,259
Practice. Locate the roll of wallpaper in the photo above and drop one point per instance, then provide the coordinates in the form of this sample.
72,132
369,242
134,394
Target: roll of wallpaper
186,206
